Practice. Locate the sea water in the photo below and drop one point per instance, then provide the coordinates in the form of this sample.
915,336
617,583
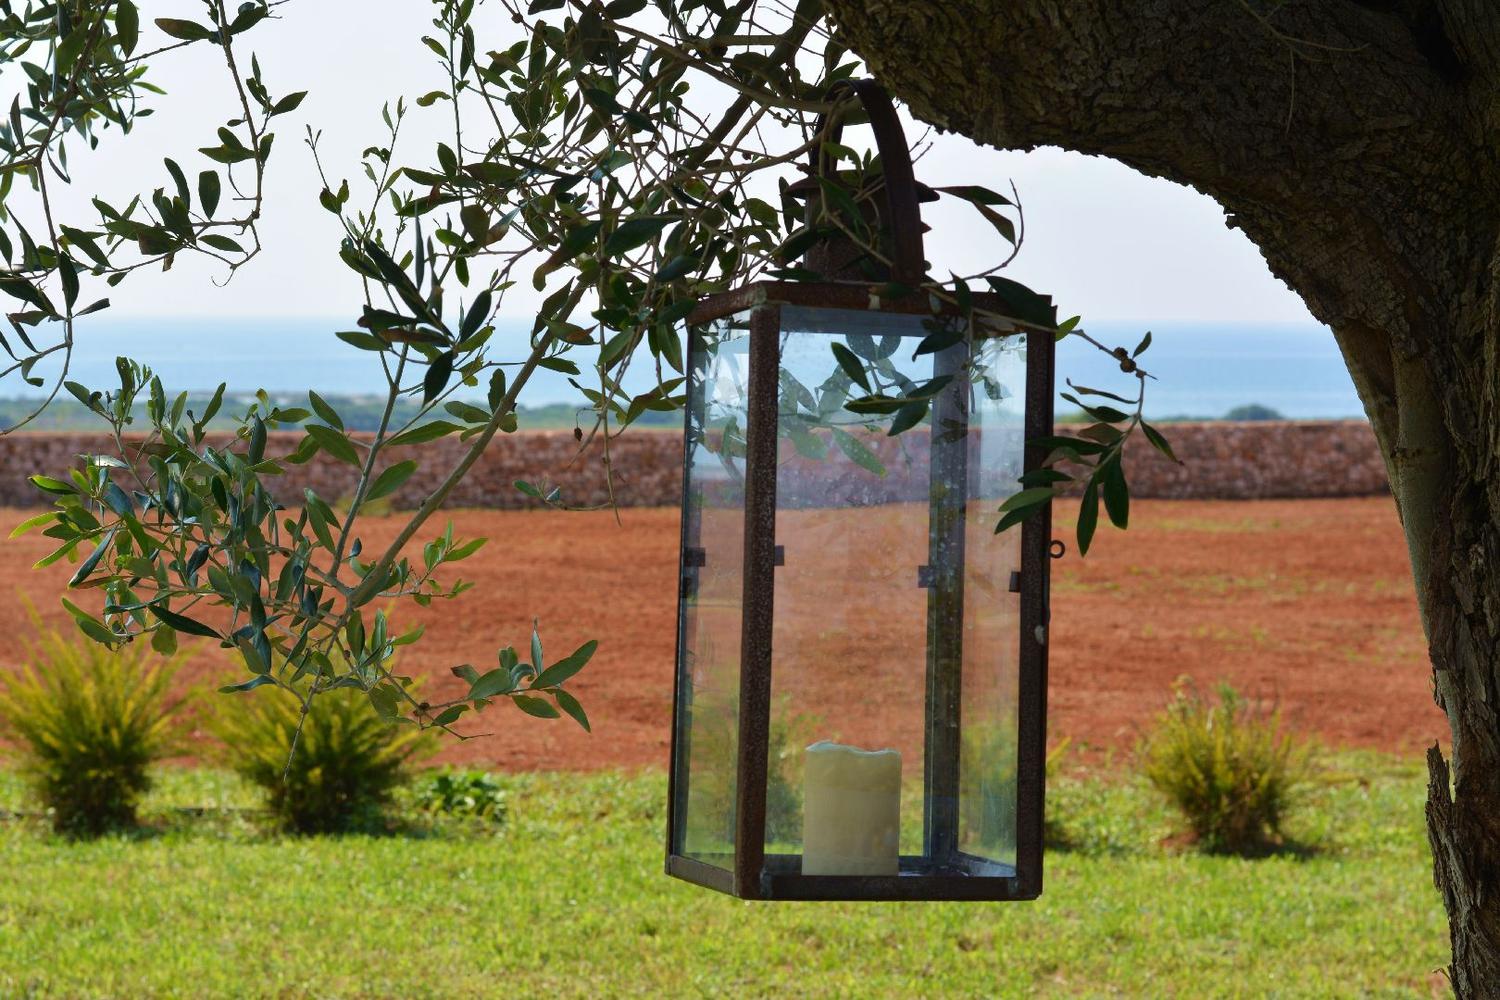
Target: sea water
1200,369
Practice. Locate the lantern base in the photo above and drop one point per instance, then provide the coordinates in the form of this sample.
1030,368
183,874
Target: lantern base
969,878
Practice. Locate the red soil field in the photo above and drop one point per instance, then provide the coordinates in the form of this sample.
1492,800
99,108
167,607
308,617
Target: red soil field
1306,602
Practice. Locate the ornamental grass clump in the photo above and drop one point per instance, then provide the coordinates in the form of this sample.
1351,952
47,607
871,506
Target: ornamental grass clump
347,764
1228,767
87,723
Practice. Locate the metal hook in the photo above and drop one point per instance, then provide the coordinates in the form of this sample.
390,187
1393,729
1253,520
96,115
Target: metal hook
1057,548
908,260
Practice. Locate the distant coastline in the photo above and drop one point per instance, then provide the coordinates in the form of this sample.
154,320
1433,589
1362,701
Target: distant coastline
359,413
362,413
1202,370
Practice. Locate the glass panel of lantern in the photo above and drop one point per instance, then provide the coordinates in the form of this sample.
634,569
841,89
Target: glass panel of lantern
861,658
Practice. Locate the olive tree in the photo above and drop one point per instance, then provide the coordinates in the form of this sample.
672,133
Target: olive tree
623,159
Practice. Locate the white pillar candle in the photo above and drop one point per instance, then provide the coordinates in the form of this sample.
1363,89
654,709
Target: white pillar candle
851,811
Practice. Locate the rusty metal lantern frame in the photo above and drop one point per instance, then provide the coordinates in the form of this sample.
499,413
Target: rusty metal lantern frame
754,874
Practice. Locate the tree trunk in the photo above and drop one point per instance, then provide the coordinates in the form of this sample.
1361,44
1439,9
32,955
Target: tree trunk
1462,618
1352,141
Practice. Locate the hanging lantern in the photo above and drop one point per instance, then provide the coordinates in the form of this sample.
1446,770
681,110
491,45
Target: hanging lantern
862,662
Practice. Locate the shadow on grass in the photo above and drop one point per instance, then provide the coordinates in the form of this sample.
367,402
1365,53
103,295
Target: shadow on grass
1262,847
1267,847
253,825
1072,837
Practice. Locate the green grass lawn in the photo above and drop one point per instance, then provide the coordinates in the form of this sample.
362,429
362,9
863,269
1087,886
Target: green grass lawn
567,899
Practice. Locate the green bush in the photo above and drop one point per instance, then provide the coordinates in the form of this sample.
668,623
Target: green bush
1229,768
987,787
711,785
476,794
347,764
88,723
786,747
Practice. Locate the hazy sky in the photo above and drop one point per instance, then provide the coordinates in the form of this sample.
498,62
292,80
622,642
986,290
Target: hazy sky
1106,242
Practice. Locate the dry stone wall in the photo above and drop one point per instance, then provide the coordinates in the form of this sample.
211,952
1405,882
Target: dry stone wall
1221,461
648,468
1261,460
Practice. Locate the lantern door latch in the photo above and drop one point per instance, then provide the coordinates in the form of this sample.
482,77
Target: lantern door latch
926,579
693,559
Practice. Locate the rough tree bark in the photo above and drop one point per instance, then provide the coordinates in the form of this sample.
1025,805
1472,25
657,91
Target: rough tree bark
1354,142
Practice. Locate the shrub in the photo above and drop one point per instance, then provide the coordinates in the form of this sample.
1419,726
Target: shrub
786,748
1229,768
348,760
711,785
89,723
476,794
987,786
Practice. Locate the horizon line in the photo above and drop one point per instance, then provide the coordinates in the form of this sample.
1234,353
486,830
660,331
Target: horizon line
344,321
